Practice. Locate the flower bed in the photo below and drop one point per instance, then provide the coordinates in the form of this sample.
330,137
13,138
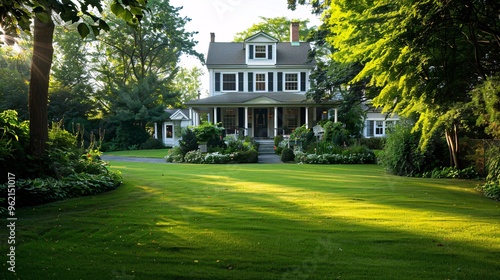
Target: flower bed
358,158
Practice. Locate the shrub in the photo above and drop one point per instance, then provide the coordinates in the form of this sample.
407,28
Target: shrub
250,156
43,190
174,155
217,158
234,145
210,134
452,173
359,158
373,143
492,187
287,155
152,144
66,170
402,155
194,157
128,137
336,134
14,139
189,141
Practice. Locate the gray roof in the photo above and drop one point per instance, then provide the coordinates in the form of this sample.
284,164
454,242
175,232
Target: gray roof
234,54
252,99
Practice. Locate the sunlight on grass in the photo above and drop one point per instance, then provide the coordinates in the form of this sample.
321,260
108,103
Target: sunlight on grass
257,221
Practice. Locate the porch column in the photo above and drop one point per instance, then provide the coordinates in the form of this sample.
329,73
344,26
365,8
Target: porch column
335,116
156,131
215,116
307,117
191,115
246,122
275,121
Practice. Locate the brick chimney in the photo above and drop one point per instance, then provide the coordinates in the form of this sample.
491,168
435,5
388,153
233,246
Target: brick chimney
294,33
212,37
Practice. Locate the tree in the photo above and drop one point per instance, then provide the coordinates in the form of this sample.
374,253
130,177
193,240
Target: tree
71,95
135,67
425,56
14,74
16,15
278,27
187,83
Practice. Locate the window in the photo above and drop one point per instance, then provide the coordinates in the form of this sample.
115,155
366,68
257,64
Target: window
229,82
229,119
291,82
169,131
260,82
291,118
260,52
379,128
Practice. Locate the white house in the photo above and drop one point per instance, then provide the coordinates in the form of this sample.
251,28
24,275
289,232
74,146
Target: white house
258,88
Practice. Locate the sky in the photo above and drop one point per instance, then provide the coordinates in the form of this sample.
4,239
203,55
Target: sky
225,18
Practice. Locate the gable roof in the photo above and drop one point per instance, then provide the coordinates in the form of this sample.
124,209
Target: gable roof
261,34
178,114
227,54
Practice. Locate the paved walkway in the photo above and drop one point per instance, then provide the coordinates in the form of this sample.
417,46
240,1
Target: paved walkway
265,158
134,159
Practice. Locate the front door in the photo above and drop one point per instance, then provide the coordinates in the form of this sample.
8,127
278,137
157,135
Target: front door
260,123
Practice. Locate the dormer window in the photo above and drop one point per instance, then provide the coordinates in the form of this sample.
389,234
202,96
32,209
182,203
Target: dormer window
260,52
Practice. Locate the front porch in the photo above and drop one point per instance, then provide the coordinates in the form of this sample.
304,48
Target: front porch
263,122
260,115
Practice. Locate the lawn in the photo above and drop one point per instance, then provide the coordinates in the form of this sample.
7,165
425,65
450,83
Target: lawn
257,221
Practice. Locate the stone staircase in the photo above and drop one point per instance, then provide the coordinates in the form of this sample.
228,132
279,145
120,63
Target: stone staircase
266,146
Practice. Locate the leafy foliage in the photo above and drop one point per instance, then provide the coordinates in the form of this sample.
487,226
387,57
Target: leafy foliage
43,190
401,155
249,156
421,58
14,136
189,141
287,155
66,170
278,27
175,155
491,188
210,134
486,100
452,173
152,144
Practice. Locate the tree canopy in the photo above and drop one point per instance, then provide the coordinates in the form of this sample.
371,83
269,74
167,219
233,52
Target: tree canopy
17,15
426,57
278,27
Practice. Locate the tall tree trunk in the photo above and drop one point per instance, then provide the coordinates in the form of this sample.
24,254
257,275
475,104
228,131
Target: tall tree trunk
453,145
39,85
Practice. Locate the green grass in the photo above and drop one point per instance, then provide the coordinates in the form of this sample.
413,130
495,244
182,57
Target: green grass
283,221
158,153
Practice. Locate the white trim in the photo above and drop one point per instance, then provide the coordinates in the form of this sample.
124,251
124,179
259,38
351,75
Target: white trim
246,122
179,115
307,117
